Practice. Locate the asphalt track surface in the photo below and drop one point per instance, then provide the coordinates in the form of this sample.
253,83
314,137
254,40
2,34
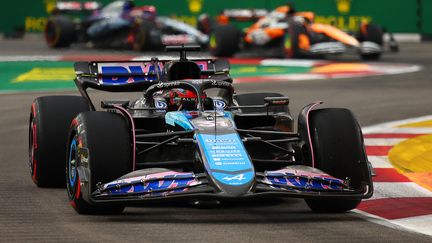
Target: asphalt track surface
28,213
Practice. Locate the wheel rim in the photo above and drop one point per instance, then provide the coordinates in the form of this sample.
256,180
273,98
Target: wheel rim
72,172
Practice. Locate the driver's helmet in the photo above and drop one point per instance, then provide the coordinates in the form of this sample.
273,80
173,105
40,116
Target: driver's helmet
149,12
283,11
145,12
181,99
128,5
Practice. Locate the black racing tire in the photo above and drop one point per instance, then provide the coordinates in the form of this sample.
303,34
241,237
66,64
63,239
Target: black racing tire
338,149
371,57
100,143
295,30
143,39
374,33
60,31
224,41
332,205
258,99
50,118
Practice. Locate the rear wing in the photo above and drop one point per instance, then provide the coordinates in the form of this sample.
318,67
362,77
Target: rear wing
243,14
132,76
76,6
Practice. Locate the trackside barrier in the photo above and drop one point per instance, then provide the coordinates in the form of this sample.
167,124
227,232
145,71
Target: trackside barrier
398,16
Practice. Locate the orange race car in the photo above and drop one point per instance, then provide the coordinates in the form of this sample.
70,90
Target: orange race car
289,33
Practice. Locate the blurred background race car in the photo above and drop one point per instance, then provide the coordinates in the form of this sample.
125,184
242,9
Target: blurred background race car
286,32
119,24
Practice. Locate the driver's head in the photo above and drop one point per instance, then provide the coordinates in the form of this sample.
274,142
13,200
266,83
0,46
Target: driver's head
181,99
286,9
149,12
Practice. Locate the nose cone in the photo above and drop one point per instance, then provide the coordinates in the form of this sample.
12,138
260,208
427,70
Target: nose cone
226,161
234,184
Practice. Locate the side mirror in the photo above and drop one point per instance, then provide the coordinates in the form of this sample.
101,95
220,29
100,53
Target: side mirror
276,101
221,66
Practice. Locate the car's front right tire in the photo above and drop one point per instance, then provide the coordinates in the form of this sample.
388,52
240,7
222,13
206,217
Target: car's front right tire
99,151
338,151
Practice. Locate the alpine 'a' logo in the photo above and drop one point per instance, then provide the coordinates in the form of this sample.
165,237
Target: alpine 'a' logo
238,177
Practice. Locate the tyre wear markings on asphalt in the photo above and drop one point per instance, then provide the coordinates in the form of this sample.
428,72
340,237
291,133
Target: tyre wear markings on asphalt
398,196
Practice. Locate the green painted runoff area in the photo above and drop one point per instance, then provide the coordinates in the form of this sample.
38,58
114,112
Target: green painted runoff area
40,75
58,75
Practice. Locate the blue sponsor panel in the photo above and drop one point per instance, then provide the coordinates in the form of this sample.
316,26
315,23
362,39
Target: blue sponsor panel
138,72
225,152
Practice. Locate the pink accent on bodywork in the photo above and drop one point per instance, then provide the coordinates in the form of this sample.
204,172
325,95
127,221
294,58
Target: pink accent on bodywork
124,111
317,103
35,145
34,126
298,172
157,176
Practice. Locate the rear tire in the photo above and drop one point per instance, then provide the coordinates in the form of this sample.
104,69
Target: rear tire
374,34
294,34
60,31
100,145
224,41
143,40
50,118
339,151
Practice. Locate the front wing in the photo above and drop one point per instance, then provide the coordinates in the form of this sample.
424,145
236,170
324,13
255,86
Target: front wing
288,182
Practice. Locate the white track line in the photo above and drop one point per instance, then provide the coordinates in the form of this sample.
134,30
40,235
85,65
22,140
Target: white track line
420,224
410,130
291,62
380,161
382,127
399,190
29,58
382,141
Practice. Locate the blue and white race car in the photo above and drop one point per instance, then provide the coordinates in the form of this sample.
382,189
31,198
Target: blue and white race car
178,142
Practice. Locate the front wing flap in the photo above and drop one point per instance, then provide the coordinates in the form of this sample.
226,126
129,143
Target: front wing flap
287,182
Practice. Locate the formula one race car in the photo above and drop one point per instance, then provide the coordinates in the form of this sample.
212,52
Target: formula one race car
286,32
119,24
177,142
